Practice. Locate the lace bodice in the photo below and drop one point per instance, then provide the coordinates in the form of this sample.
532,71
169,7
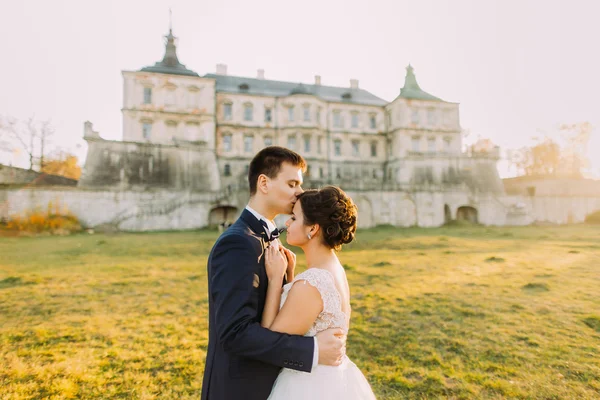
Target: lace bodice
332,315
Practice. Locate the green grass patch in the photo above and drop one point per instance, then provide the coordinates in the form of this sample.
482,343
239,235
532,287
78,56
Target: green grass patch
593,322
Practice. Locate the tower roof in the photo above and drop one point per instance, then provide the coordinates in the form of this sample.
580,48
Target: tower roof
412,90
170,63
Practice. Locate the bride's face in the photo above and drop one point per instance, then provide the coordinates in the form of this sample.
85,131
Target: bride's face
296,230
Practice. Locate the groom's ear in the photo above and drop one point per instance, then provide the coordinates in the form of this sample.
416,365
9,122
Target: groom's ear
262,183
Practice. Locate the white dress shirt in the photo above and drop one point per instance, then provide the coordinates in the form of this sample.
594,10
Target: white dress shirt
271,226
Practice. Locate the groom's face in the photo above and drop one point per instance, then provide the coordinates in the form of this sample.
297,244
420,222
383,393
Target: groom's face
285,188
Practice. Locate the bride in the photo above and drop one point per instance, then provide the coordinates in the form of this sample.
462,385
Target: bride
318,298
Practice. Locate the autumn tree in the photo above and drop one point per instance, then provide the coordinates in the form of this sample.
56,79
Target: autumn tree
63,164
560,153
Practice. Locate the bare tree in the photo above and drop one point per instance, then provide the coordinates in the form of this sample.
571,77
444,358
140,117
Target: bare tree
31,136
46,130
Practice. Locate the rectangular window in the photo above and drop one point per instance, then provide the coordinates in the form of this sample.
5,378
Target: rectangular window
227,111
373,121
170,98
320,145
355,148
171,129
227,142
447,144
416,143
355,120
319,116
248,143
248,112
291,113
227,170
268,141
431,117
447,117
414,116
192,132
291,142
268,115
321,172
337,119
373,149
307,144
146,130
306,113
193,98
147,95
431,144
337,147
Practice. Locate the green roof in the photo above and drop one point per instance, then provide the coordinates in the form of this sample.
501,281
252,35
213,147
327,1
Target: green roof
412,90
170,63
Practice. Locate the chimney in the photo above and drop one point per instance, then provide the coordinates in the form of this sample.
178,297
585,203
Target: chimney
221,69
260,74
354,83
318,80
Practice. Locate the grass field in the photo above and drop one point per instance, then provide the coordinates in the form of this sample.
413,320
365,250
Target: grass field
463,312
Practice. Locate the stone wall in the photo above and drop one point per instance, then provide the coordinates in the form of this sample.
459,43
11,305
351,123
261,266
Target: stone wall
175,210
121,210
16,176
532,186
129,165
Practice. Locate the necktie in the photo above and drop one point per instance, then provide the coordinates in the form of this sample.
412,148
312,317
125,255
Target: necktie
273,235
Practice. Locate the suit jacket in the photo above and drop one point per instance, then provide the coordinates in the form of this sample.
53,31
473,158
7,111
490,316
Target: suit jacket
243,358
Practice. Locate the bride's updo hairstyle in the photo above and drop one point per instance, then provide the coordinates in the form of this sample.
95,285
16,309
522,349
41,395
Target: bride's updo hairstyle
334,211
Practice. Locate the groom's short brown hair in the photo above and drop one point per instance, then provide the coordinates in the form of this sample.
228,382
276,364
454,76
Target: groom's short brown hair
268,161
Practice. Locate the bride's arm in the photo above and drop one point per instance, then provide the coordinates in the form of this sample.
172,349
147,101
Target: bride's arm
300,310
276,265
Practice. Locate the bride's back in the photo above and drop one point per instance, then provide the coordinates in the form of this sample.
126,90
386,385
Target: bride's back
341,284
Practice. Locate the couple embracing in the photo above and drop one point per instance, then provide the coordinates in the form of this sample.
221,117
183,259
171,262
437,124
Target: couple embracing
273,334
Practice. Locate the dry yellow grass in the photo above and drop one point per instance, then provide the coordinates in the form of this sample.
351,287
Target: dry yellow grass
444,313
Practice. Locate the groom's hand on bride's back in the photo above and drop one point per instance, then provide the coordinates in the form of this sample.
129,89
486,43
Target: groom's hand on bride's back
332,346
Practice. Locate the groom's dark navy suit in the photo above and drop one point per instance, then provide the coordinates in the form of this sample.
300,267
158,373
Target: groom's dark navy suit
243,358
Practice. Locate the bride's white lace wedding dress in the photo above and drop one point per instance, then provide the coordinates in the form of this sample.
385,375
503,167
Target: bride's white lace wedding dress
324,382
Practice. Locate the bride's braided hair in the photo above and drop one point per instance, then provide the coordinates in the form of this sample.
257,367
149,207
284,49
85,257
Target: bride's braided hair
334,211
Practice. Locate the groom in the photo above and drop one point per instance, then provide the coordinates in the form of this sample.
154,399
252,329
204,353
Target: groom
243,358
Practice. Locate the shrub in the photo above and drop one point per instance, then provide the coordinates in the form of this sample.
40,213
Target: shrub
55,220
593,218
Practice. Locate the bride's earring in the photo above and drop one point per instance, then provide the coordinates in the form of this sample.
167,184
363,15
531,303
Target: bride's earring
309,236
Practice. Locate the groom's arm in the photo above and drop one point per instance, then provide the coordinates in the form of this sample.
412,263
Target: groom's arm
236,308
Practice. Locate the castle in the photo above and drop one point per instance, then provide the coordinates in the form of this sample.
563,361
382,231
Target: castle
402,161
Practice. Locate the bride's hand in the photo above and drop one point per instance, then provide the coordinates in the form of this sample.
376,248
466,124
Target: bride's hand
291,258
276,264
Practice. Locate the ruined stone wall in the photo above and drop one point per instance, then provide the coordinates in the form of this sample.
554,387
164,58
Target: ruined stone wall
125,165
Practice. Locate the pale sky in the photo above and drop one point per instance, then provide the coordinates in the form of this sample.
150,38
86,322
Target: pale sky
514,66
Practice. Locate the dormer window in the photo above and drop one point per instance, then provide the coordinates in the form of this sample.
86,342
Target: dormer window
347,96
244,87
